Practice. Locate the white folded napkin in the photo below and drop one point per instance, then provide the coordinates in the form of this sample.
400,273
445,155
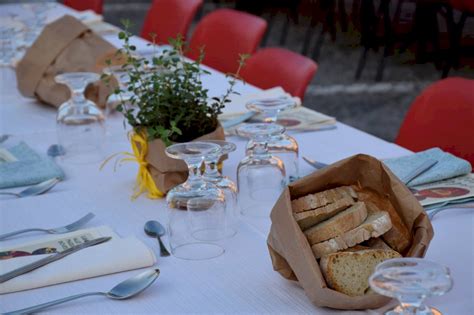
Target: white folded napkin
116,255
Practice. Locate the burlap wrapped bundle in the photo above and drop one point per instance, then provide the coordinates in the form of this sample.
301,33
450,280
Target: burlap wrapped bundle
167,172
290,251
66,45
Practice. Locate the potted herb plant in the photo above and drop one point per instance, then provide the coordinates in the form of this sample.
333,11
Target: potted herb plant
167,104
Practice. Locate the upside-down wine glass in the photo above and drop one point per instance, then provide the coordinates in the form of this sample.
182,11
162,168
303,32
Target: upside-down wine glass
281,145
411,281
228,187
261,176
193,154
80,123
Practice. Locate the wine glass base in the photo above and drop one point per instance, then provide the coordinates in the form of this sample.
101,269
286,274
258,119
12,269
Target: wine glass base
197,251
421,311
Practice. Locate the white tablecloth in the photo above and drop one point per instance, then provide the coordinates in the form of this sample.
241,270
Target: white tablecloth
240,281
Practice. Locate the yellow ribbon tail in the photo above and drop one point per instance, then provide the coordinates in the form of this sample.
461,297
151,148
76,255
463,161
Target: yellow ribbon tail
144,181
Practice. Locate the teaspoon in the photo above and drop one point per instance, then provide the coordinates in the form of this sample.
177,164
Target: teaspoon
155,229
124,290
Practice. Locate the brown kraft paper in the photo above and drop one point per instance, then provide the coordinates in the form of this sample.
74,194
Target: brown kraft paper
291,253
66,45
167,172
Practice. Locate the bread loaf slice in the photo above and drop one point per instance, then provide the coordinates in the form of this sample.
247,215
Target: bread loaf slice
377,243
399,237
375,225
342,222
348,272
309,218
321,199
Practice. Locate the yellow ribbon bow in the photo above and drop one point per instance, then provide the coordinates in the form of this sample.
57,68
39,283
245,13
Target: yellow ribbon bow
144,180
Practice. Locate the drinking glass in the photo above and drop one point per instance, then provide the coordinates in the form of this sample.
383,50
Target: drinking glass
197,233
260,176
281,145
80,123
228,187
411,281
193,154
121,74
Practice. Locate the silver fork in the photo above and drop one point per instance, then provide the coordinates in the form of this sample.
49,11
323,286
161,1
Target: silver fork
58,230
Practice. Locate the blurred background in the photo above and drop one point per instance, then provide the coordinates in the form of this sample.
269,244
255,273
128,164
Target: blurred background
374,56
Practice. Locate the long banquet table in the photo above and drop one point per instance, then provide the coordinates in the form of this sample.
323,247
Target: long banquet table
241,280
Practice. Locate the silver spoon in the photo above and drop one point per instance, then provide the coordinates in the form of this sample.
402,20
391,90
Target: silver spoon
155,229
34,190
124,290
58,230
315,164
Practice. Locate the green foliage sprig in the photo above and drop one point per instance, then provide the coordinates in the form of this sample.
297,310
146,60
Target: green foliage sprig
168,99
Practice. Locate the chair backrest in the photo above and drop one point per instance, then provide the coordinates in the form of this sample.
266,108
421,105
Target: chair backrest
463,5
82,5
442,116
225,34
270,67
168,18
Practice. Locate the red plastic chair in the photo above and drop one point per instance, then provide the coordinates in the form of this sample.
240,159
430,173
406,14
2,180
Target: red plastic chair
168,18
225,34
442,116
82,5
270,67
463,5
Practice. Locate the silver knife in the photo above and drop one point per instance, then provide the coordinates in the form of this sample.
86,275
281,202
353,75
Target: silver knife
234,122
35,265
425,166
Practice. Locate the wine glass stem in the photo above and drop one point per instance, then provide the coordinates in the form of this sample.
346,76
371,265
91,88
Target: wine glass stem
78,95
194,178
270,116
411,304
260,150
211,171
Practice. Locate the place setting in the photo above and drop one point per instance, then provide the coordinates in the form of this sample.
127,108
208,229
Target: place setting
164,169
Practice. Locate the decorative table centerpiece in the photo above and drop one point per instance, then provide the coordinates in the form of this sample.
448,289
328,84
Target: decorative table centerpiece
168,104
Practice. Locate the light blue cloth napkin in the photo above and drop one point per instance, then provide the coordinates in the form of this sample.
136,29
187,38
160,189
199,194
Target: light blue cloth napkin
30,168
448,166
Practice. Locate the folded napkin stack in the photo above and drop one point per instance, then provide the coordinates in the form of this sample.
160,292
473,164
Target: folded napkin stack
448,166
26,167
116,255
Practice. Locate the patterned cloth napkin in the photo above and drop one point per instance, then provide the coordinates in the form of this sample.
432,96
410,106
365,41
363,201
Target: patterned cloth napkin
448,166
26,168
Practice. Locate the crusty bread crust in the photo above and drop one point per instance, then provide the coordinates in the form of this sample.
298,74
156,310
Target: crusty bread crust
307,219
342,222
323,198
375,225
398,237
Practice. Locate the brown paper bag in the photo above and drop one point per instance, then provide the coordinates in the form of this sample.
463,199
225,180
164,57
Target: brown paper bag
290,251
167,172
66,45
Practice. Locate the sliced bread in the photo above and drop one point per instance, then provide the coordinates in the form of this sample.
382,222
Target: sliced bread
323,198
375,225
307,219
342,222
399,237
348,272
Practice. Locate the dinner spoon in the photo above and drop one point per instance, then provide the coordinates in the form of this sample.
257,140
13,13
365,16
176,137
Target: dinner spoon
124,290
155,229
34,190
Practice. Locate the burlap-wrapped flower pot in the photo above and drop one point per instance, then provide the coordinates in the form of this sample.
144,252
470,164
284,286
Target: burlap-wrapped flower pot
167,172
